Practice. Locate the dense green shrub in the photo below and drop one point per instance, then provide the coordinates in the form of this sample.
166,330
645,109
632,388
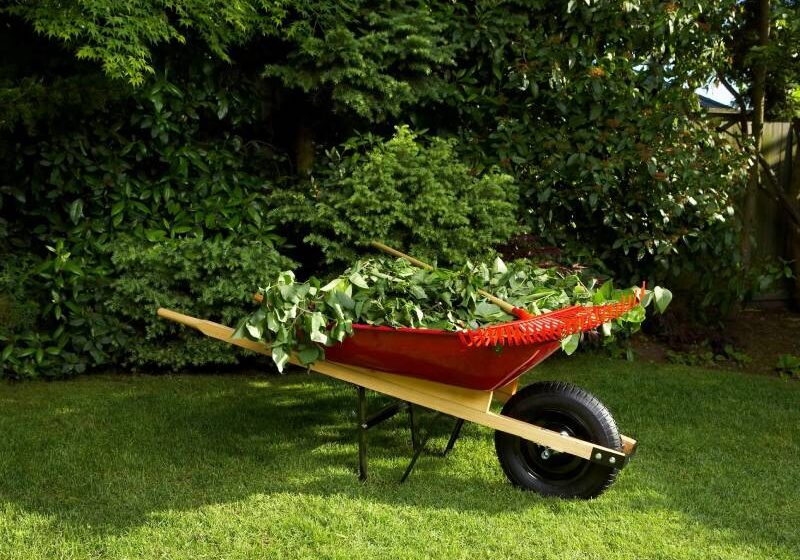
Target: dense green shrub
213,279
407,192
591,107
16,313
229,121
121,35
163,162
58,325
369,59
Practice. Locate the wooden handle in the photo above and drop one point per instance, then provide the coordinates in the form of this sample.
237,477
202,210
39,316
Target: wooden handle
176,317
504,305
220,332
396,253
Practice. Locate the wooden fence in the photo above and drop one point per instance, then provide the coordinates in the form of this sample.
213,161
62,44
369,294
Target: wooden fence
772,230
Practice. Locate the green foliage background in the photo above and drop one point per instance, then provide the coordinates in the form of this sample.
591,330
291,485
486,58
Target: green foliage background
405,192
139,135
213,278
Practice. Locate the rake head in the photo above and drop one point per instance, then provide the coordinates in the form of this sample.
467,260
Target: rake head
555,325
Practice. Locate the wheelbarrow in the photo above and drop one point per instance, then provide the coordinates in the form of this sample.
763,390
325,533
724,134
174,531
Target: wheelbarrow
550,437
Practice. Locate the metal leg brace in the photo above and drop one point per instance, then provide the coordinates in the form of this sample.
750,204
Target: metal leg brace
418,444
453,436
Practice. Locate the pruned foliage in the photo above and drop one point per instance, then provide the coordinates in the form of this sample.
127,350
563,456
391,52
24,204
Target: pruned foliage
303,318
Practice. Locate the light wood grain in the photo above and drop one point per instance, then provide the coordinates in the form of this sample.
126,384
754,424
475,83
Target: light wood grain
467,404
507,391
628,444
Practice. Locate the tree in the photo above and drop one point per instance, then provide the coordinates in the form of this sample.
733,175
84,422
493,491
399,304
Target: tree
592,108
764,46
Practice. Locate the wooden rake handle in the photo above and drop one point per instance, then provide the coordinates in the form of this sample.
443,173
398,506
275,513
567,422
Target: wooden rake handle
396,253
502,304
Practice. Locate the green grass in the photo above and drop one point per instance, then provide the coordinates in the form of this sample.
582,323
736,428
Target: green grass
264,467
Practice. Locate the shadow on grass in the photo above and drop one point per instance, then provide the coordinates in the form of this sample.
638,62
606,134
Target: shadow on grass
109,453
108,457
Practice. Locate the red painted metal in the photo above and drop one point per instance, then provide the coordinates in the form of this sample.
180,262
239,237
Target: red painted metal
484,359
555,325
437,355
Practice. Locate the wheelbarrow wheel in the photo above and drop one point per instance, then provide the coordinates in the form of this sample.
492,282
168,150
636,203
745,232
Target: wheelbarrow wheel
563,408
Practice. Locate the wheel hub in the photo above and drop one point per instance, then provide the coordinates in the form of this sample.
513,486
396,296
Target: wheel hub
546,463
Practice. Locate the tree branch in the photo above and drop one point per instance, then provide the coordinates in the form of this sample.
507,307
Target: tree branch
789,206
736,95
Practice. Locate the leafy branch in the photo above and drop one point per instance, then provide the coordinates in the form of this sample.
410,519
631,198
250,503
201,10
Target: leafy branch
303,318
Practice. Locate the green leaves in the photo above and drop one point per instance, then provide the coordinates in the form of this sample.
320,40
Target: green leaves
121,41
204,277
357,280
317,330
408,190
662,297
280,356
310,354
370,60
570,343
75,210
304,319
255,331
788,364
154,235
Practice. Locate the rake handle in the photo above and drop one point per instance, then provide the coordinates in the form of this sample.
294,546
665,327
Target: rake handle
502,304
396,253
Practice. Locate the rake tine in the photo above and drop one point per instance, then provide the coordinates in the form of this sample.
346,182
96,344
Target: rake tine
549,326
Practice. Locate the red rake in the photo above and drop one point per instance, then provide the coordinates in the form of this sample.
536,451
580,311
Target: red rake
530,329
555,325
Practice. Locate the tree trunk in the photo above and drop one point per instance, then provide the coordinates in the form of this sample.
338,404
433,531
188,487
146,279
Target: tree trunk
758,98
304,149
794,194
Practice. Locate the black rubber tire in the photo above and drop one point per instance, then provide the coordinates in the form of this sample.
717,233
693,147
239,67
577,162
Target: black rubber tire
558,406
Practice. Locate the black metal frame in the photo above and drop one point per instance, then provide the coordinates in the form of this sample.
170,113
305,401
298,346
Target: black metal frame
418,443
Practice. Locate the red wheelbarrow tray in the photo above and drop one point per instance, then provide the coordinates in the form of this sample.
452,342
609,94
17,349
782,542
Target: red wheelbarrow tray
438,355
458,374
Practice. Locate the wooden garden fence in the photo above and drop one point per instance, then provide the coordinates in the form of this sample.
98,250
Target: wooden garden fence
772,230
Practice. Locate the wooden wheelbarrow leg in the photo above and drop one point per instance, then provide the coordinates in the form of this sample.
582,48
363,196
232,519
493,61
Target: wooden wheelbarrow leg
465,404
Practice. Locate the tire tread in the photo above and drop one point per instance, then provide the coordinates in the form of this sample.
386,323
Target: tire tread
593,406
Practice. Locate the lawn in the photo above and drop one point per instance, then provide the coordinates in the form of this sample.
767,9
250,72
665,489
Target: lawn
236,466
